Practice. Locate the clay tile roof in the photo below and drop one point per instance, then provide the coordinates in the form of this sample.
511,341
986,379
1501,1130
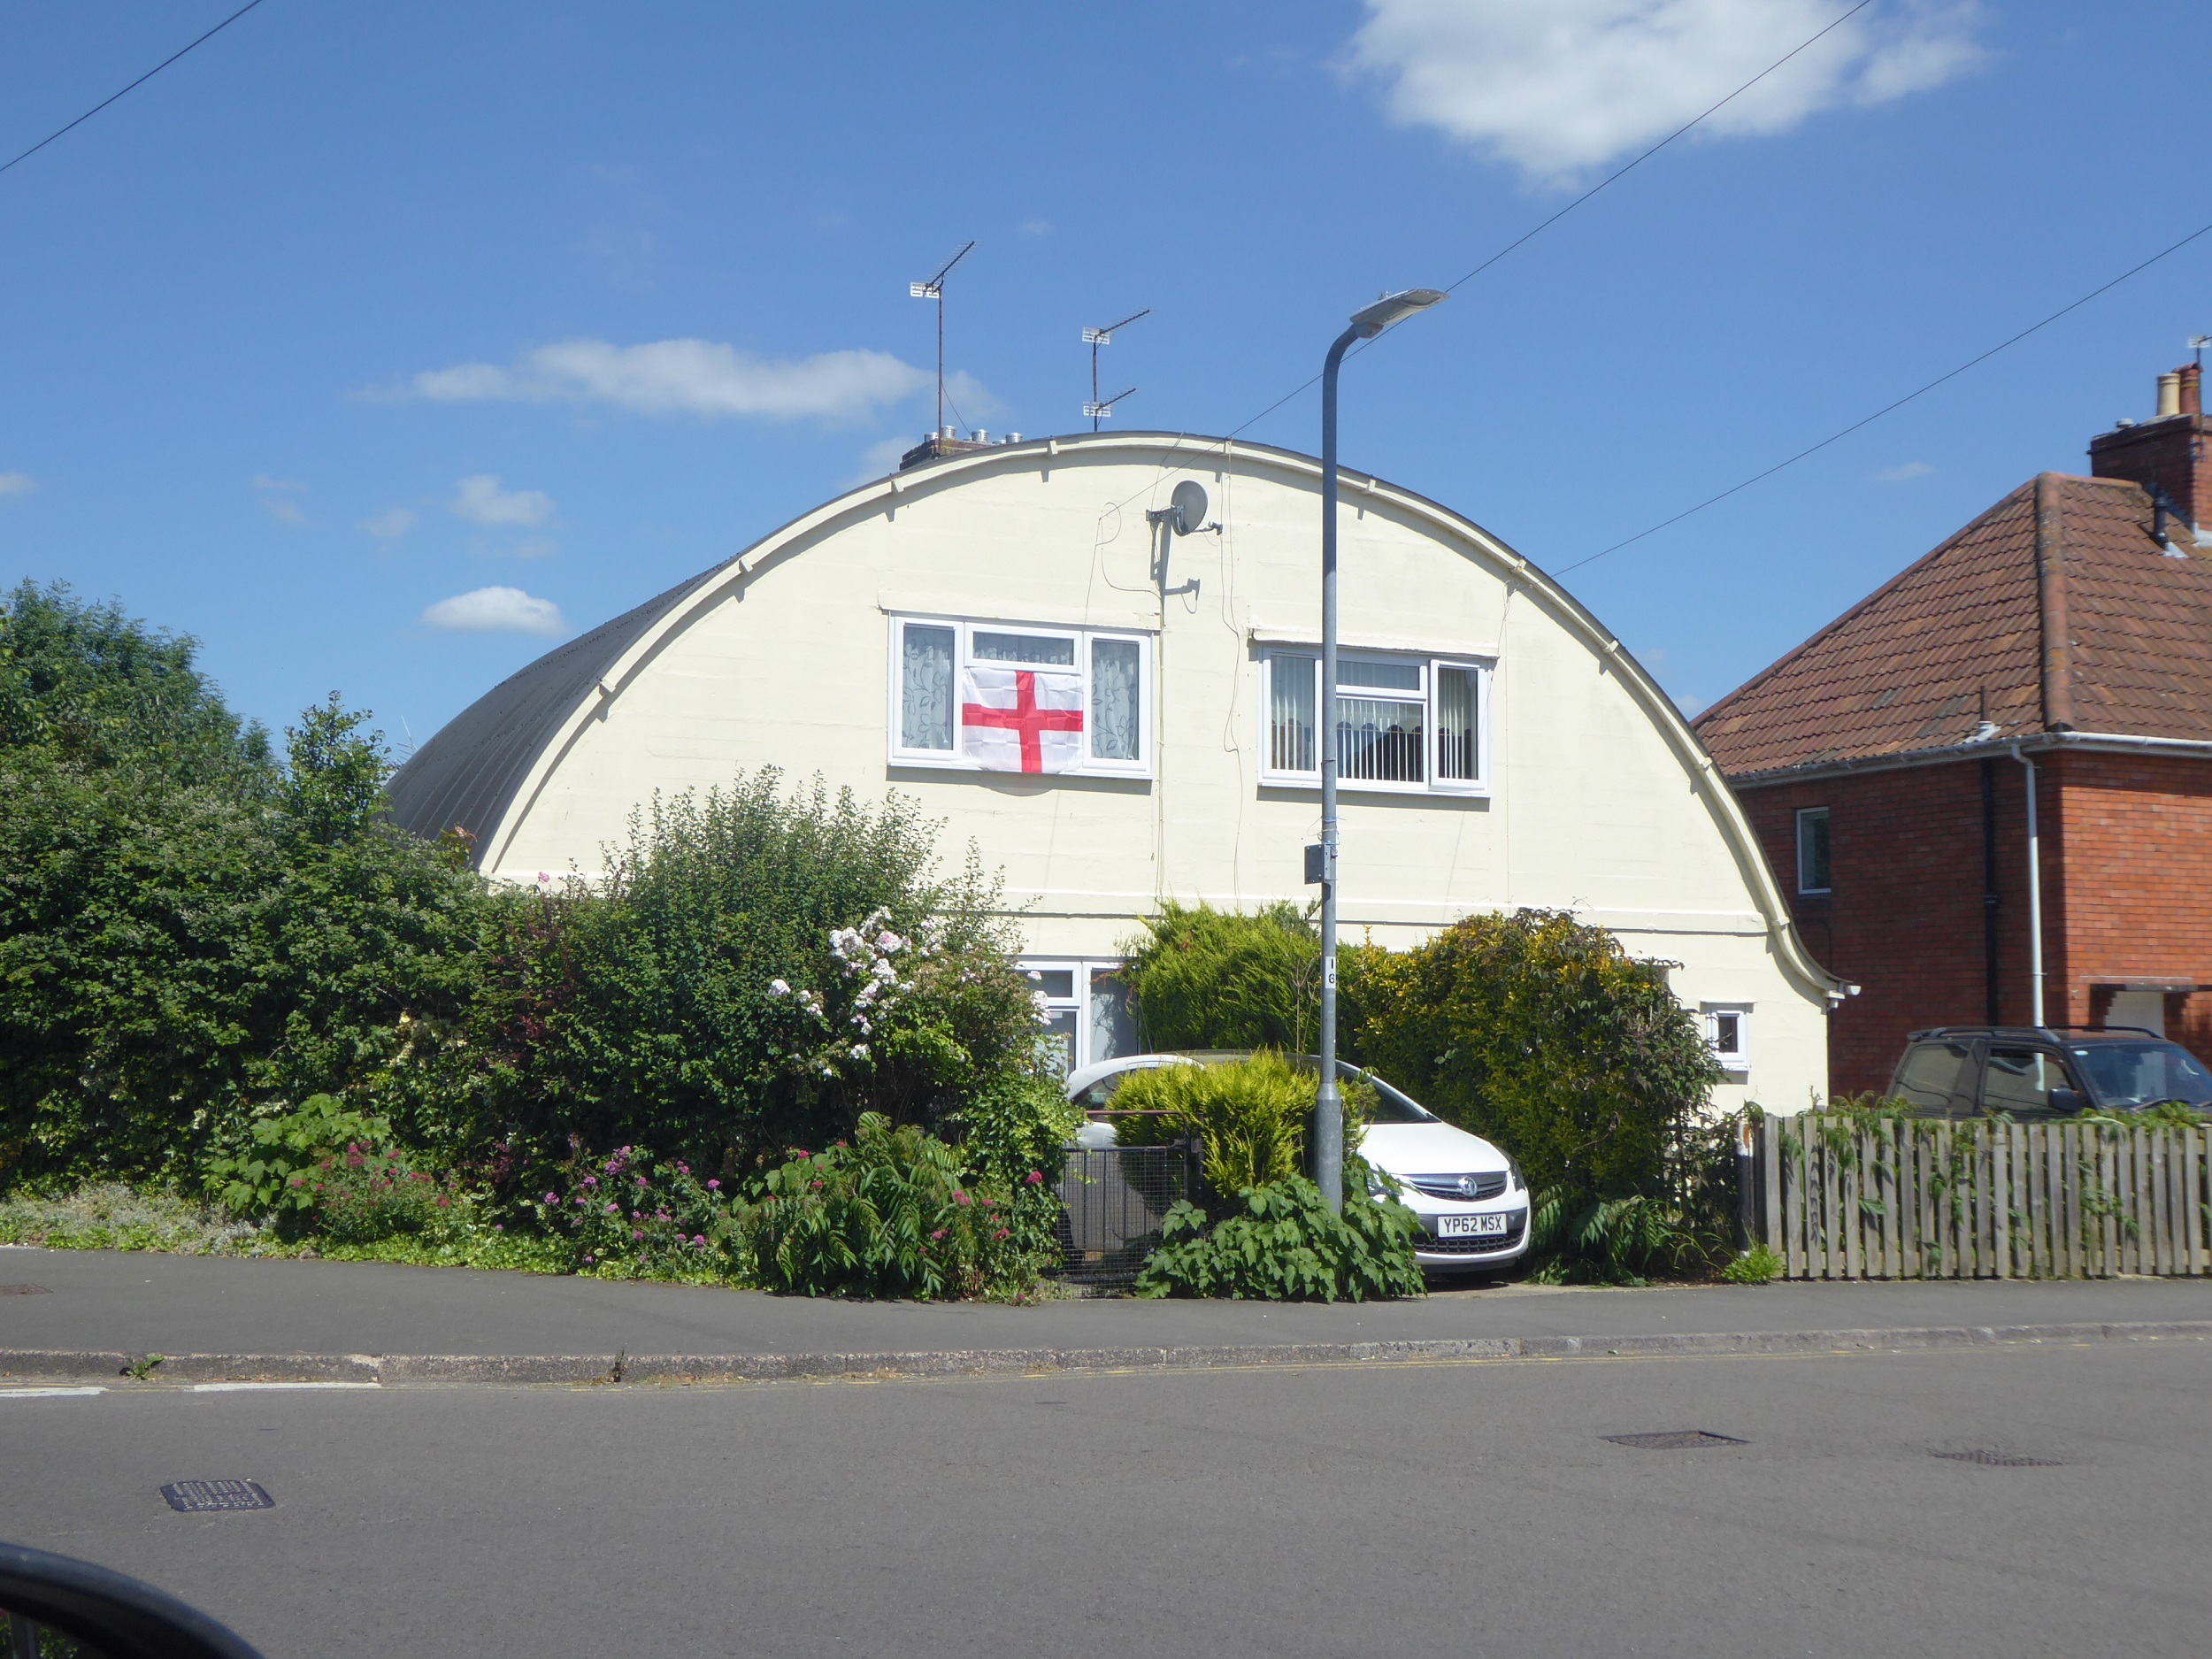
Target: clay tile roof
2055,609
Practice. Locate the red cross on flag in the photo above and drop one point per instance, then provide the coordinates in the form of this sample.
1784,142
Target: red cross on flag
1021,719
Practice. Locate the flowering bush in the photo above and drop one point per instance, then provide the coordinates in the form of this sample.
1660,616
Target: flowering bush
359,1195
632,1216
887,1214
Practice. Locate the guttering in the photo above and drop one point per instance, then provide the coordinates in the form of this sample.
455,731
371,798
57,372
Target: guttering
2035,890
1975,748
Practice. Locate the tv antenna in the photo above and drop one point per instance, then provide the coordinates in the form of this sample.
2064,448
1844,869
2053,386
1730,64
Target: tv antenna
2197,343
934,289
1104,411
1095,338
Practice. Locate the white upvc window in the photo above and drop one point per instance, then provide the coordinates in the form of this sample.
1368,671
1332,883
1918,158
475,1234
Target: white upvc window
1015,696
1085,1009
1728,1033
1405,724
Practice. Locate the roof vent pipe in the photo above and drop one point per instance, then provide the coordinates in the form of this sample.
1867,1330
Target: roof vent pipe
2168,395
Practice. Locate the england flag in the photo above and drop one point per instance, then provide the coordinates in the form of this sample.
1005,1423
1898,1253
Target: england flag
1021,719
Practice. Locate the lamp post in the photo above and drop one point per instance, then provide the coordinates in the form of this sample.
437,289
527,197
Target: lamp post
1328,1139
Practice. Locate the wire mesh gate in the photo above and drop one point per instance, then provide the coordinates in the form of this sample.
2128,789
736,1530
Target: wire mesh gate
1114,1200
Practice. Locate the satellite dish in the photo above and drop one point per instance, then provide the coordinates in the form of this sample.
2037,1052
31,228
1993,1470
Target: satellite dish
1190,506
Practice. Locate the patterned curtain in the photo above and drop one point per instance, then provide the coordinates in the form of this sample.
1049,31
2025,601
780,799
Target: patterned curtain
1115,700
925,690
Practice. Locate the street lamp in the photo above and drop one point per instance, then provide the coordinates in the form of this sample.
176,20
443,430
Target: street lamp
1328,1140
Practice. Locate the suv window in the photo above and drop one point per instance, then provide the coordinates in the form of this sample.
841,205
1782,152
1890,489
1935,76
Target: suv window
1931,1072
2020,1081
2132,1074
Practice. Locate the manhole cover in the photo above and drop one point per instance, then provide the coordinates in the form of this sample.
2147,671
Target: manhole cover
196,1497
1997,1460
1672,1440
25,1290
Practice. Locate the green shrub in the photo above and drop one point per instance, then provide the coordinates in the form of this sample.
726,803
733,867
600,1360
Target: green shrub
886,1215
1253,1118
359,1195
1280,1243
1758,1266
1206,978
269,1175
1543,1036
753,973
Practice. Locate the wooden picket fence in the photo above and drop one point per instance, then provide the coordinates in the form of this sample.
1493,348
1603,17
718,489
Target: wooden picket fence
1841,1197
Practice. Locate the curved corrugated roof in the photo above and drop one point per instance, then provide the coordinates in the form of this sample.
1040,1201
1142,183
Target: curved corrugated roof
467,776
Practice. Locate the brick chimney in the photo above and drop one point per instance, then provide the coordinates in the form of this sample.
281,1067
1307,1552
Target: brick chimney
2166,454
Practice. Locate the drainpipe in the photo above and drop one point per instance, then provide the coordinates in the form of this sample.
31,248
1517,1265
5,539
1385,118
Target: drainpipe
2035,892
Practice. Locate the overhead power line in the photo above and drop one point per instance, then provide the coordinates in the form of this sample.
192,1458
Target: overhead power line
1868,420
1620,172
134,85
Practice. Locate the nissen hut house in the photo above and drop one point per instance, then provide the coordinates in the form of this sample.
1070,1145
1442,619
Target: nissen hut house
1116,700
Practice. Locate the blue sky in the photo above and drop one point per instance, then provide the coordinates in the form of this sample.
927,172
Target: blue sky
380,346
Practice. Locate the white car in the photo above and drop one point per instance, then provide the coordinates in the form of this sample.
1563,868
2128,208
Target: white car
1470,1197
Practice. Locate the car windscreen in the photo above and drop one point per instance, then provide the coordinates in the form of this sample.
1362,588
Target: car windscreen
1387,1111
2130,1074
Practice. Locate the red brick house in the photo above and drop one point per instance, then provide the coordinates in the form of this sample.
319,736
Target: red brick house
2055,655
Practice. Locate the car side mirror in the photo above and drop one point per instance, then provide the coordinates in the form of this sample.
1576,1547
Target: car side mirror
119,1616
2068,1100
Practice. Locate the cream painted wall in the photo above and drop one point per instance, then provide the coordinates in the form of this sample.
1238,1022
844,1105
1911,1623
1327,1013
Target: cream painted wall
1601,801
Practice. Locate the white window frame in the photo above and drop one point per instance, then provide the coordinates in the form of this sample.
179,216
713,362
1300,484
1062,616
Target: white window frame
1736,1062
1483,668
964,629
1805,813
1079,1001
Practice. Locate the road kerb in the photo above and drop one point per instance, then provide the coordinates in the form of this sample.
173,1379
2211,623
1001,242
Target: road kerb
127,1372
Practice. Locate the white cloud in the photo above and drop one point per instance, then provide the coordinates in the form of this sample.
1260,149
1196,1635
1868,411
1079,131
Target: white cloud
1899,474
390,525
684,377
274,494
1036,227
284,512
1689,705
881,460
291,486
17,483
496,611
1556,87
481,501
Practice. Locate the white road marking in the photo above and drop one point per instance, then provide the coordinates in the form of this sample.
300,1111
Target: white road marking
46,1394
242,1388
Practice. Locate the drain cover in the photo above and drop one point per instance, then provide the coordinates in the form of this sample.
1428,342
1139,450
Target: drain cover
1672,1440
196,1497
25,1290
1997,1460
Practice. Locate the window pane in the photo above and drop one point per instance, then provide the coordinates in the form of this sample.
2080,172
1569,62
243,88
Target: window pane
1056,983
1931,1072
1113,1032
2021,1081
1115,701
1350,670
1024,648
1059,1041
1457,752
925,689
1290,682
1378,742
1812,850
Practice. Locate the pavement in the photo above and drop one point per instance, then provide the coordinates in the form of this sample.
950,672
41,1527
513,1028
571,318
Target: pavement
1468,1508
89,1315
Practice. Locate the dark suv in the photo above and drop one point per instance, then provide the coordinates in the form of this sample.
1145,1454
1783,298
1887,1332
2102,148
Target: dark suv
2031,1071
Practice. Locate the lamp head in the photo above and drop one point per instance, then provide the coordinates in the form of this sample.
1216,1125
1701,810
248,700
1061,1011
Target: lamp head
1391,308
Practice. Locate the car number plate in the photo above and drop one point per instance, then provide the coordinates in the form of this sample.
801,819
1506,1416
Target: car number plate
1470,1227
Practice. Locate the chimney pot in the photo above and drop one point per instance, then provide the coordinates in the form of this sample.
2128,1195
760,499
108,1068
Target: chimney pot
2192,389
2168,395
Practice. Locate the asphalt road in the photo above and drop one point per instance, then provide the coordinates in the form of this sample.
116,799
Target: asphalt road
1444,1509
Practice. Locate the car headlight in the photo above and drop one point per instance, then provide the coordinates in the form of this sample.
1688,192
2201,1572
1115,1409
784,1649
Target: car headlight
1513,1174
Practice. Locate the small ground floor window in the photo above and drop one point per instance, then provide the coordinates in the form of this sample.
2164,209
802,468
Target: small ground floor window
1087,1008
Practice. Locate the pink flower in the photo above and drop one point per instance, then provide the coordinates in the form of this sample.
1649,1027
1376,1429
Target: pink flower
714,1186
936,1235
443,1200
699,1240
635,1236
551,1199
614,1210
683,1168
1001,1233
1036,1177
499,1226
959,1197
591,1180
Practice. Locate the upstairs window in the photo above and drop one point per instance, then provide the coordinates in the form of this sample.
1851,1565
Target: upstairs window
1812,849
1404,722
1727,1032
1006,696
